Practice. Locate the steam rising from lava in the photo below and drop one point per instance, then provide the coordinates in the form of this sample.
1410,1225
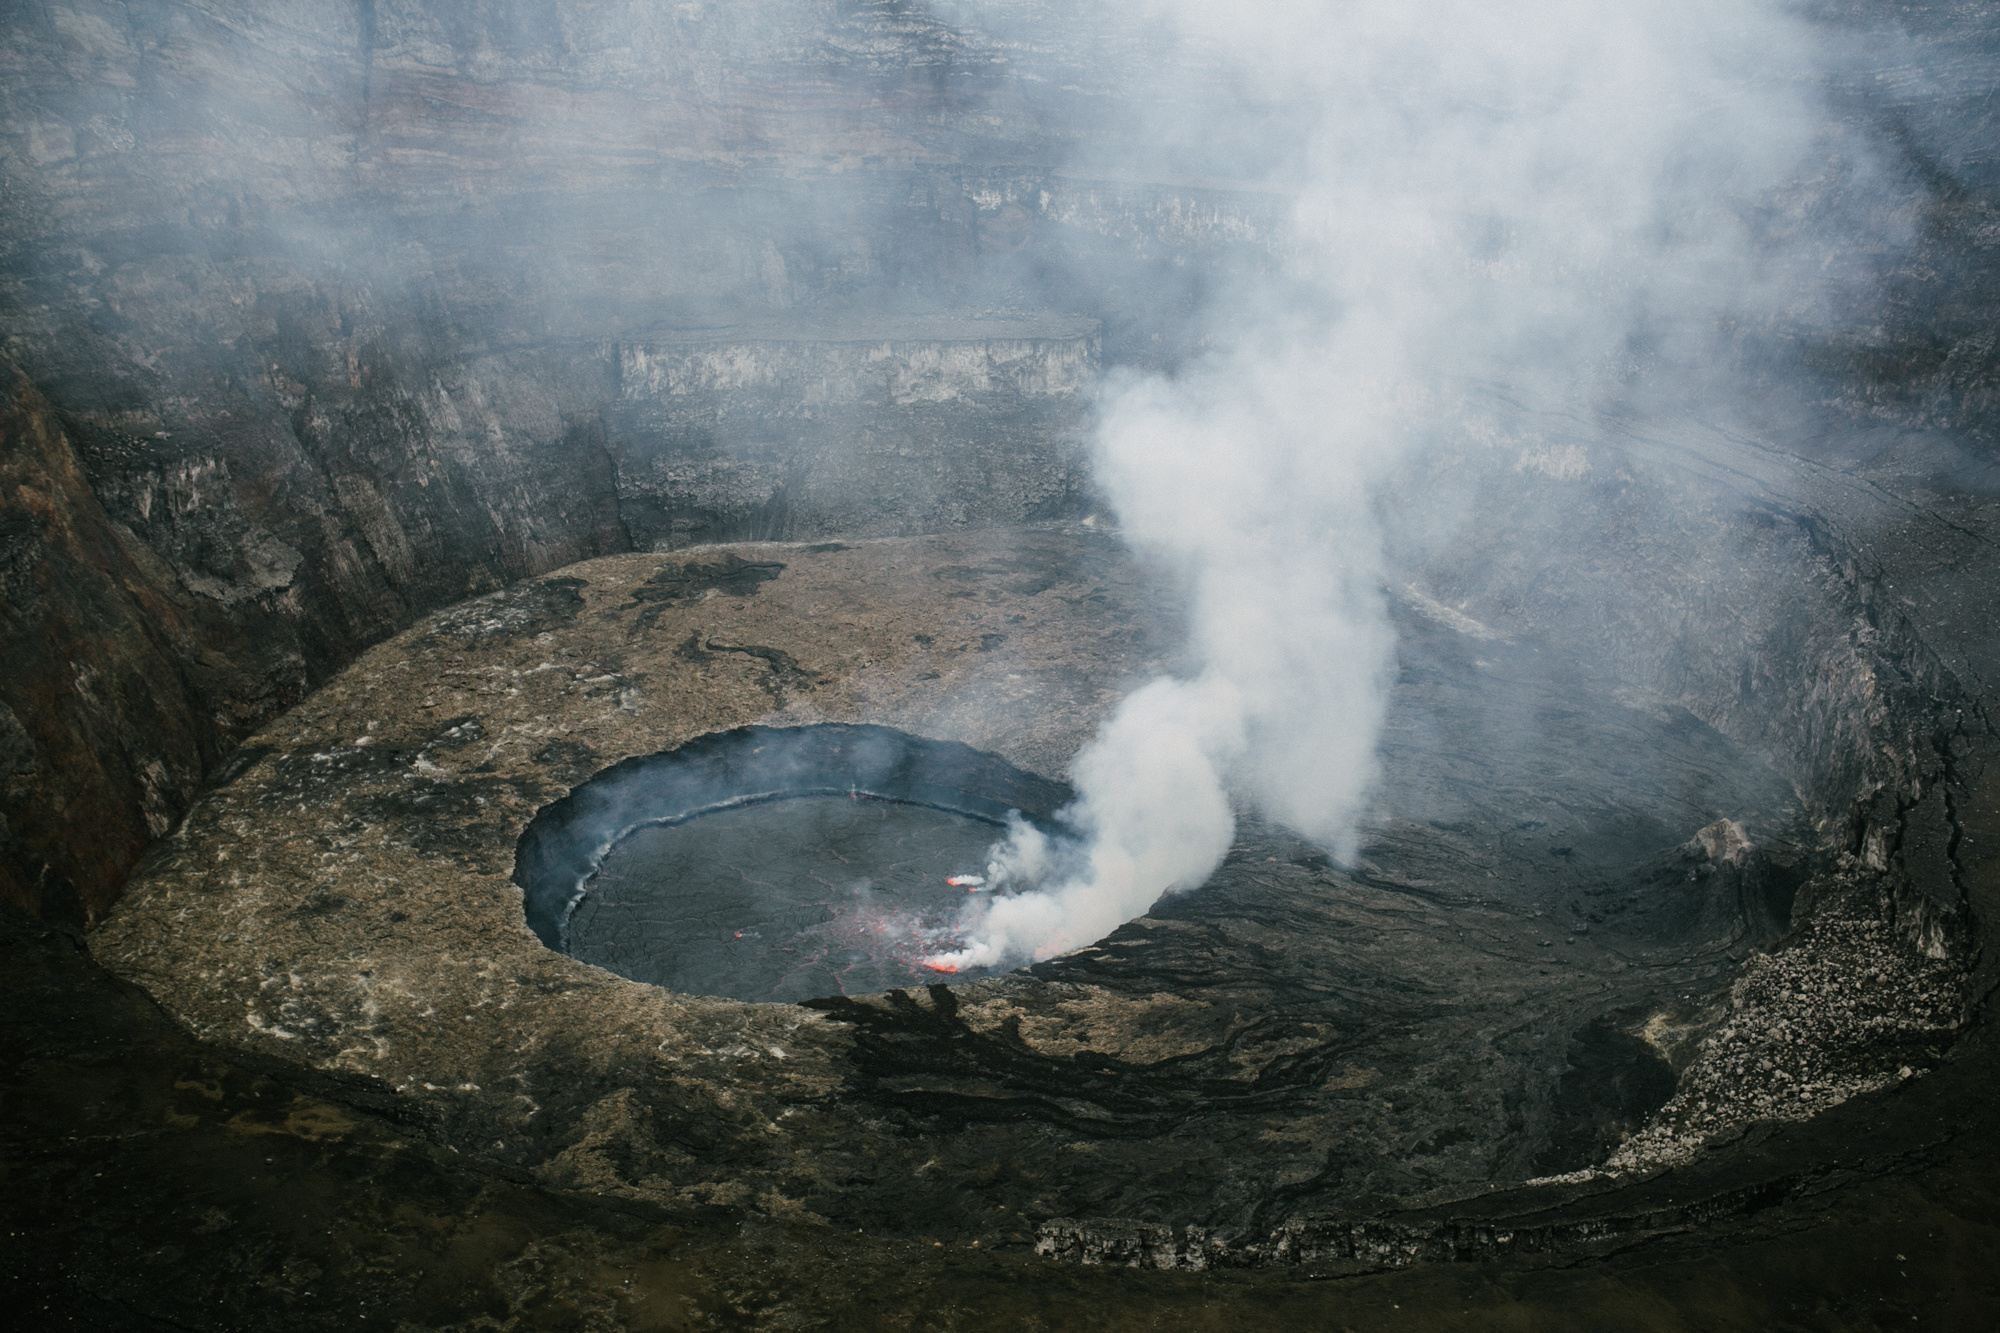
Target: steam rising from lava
1530,201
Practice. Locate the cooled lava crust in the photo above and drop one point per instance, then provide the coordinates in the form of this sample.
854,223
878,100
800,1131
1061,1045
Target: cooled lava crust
822,861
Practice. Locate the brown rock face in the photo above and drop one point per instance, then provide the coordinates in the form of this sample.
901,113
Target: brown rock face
102,740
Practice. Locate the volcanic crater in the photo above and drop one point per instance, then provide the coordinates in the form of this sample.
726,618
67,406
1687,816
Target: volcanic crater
497,506
1549,959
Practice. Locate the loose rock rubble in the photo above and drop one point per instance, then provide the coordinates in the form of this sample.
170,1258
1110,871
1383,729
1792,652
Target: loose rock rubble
1850,1005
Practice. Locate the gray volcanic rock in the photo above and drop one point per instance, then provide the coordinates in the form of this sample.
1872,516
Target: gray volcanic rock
857,427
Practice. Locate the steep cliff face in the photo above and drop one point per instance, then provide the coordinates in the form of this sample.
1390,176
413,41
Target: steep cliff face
866,427
115,700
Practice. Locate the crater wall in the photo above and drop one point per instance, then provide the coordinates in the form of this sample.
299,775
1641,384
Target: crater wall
332,307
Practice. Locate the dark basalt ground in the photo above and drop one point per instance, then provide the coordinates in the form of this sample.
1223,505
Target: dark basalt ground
1409,1023
1382,1029
154,1182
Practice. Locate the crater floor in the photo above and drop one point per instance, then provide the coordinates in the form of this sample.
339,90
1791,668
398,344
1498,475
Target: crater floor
1502,986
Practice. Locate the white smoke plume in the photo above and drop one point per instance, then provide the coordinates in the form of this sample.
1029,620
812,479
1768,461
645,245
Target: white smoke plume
1488,193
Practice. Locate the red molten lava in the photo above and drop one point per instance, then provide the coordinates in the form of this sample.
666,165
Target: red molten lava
940,967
